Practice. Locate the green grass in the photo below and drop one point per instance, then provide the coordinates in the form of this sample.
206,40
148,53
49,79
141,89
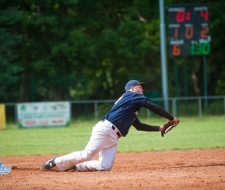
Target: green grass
191,133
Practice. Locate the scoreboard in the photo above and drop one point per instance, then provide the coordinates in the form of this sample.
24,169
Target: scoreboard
188,26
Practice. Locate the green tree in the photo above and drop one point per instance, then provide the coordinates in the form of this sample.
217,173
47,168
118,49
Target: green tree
83,49
10,67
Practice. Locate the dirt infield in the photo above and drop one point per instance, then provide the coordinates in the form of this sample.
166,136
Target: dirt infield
193,169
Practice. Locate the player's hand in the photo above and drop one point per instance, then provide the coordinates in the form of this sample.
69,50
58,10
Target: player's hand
166,128
175,121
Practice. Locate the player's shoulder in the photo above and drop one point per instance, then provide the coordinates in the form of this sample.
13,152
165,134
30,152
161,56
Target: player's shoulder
135,95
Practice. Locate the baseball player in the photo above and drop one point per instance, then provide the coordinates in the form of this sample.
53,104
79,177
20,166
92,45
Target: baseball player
114,125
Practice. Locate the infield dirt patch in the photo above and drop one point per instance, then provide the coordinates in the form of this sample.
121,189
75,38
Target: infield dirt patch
192,169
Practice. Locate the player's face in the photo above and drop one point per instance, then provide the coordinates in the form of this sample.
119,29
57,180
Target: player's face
138,88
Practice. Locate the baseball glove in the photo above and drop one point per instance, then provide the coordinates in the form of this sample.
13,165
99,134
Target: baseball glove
167,127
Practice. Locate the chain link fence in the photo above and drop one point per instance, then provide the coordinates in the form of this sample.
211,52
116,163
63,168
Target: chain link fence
180,107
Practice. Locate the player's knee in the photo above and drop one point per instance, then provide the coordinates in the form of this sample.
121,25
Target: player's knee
86,155
106,167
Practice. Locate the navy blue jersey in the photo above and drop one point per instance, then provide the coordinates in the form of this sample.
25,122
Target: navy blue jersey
125,111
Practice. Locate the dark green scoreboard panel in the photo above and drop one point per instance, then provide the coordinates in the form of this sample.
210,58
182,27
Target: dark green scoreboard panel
188,27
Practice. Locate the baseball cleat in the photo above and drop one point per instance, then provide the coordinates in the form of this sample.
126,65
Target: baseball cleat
49,164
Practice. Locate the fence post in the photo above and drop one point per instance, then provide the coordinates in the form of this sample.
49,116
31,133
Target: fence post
174,108
96,111
16,115
205,83
200,108
224,104
148,114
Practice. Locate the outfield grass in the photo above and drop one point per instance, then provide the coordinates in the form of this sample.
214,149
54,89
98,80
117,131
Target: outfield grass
191,133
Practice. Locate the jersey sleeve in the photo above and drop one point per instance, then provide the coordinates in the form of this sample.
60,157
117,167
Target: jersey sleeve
139,100
157,109
144,127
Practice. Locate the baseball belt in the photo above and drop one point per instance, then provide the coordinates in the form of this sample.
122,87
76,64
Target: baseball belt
114,128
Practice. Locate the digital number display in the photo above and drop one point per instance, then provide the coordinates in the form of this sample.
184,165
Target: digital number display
189,29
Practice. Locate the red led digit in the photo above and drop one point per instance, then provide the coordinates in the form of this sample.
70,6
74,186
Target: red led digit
188,15
176,50
180,16
204,14
189,31
204,32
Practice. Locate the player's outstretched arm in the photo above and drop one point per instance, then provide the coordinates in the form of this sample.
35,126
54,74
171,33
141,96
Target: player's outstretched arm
145,127
158,110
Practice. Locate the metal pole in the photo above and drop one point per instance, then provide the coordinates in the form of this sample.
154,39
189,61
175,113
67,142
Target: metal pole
96,111
16,116
185,84
85,96
200,108
205,83
224,104
148,114
176,77
185,78
163,55
174,107
176,82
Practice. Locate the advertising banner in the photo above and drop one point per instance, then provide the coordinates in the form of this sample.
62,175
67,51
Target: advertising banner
2,116
44,114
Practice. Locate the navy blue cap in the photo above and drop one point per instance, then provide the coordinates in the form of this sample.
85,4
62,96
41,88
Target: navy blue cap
134,83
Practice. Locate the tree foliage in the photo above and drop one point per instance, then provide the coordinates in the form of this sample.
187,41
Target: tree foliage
83,49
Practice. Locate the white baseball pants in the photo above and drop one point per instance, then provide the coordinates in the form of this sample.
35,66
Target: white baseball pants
103,142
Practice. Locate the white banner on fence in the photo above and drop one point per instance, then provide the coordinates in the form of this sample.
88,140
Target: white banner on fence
44,114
